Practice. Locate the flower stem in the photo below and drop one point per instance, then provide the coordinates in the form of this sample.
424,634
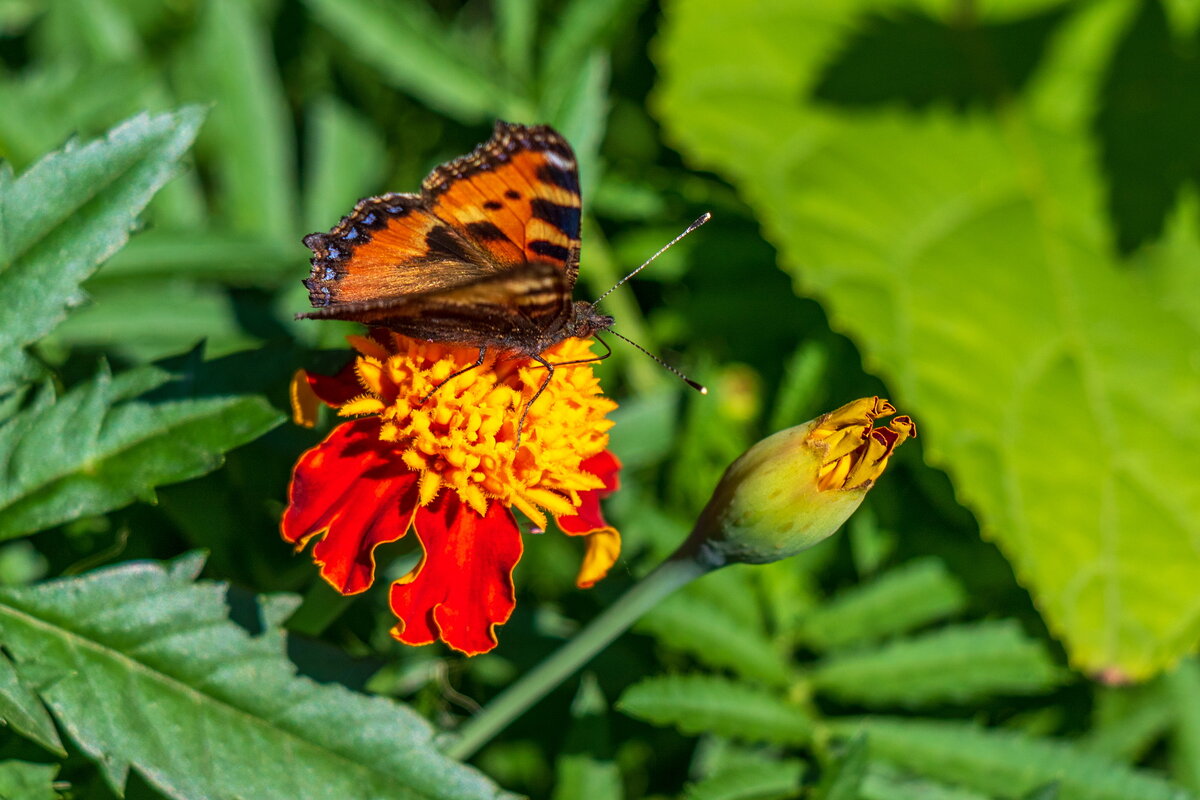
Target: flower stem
536,684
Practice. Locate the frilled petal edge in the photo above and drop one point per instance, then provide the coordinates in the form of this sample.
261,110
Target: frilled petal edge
604,542
354,493
463,587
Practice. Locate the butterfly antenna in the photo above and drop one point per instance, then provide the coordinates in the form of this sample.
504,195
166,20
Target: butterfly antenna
699,387
705,217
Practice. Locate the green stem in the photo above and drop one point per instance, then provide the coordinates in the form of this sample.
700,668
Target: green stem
536,684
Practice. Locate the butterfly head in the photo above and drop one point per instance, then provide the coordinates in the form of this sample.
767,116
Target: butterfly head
586,320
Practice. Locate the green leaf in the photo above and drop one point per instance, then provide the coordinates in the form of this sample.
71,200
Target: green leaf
770,780
68,213
1004,763
249,135
237,258
956,664
21,710
716,638
147,654
402,39
24,780
333,182
969,258
88,452
1129,720
883,782
843,779
708,704
1183,692
899,600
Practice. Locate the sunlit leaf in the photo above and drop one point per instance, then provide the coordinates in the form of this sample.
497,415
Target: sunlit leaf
68,213
149,655
968,256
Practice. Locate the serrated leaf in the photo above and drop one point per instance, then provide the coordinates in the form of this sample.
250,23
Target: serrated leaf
969,258
68,213
88,452
897,601
709,704
25,780
1004,763
401,39
21,710
956,664
692,623
151,659
773,780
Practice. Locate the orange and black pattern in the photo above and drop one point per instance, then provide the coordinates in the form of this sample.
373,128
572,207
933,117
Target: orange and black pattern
512,202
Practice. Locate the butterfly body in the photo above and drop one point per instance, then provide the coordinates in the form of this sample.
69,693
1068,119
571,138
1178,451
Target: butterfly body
485,255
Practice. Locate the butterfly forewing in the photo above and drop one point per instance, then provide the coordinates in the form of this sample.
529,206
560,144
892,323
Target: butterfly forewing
486,254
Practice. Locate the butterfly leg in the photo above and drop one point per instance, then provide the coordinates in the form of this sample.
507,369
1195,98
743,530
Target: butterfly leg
478,363
549,374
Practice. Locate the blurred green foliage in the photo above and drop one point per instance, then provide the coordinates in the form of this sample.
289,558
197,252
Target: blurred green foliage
990,204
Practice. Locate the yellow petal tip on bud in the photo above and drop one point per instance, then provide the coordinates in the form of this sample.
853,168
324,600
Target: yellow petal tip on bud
796,487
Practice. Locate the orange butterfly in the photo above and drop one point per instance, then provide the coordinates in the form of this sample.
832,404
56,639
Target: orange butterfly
486,255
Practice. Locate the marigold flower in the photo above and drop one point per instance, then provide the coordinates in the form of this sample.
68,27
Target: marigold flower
447,465
796,487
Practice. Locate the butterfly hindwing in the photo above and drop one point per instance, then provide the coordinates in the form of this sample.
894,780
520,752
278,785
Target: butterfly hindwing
525,302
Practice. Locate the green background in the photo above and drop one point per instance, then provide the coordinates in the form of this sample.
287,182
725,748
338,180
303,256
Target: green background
985,211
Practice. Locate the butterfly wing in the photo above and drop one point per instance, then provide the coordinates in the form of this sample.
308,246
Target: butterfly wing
517,195
511,203
516,309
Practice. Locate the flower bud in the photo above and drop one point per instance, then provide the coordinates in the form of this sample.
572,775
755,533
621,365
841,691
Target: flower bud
796,487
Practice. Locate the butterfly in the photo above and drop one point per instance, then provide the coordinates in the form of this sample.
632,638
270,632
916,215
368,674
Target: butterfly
486,255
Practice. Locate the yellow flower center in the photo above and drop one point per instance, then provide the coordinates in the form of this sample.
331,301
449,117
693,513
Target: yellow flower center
463,436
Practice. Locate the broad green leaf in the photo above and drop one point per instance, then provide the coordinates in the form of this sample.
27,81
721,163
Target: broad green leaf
772,780
1004,763
21,710
24,780
249,135
897,601
584,775
716,638
410,47
68,213
150,656
708,704
957,664
93,450
969,258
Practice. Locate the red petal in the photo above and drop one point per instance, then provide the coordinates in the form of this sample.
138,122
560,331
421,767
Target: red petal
463,588
587,517
355,490
335,390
